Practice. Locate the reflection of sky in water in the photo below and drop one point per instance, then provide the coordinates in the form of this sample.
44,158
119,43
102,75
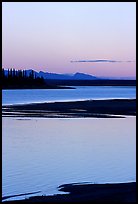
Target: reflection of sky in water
80,93
41,154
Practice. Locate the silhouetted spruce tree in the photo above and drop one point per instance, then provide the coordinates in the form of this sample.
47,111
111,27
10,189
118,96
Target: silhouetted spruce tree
3,74
13,74
8,73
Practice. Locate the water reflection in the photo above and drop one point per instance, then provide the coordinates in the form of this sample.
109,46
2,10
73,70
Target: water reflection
41,154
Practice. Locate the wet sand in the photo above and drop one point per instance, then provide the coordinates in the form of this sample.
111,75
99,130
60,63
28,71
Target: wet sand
84,193
73,109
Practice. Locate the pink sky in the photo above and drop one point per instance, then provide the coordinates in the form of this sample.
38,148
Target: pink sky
47,36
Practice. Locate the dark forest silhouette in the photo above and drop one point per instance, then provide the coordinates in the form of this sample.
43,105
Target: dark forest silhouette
20,78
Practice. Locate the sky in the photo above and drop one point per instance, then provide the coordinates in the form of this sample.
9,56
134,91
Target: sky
97,38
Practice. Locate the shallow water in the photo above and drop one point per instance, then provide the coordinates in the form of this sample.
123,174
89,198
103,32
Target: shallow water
21,96
41,154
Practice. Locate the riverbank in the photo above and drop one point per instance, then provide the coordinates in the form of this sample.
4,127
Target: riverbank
73,109
84,193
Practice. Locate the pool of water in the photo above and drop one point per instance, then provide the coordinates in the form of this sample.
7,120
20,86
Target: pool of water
41,154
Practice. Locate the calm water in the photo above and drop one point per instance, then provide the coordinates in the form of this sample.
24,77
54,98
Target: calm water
41,154
80,93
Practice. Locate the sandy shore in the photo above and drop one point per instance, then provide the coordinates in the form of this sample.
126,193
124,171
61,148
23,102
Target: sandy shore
84,193
88,108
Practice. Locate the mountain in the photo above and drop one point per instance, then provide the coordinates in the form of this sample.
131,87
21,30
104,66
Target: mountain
82,76
55,76
47,75
76,76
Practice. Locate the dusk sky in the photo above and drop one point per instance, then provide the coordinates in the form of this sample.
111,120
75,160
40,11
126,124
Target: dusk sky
94,38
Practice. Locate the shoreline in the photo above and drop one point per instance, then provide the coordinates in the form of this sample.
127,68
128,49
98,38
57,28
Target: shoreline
108,192
106,108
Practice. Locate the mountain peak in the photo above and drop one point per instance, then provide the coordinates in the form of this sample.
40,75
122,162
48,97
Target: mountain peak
83,76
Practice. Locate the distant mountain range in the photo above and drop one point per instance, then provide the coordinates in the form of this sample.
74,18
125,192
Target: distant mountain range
55,76
76,76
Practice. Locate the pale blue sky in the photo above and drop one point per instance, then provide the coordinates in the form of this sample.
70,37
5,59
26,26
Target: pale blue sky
47,36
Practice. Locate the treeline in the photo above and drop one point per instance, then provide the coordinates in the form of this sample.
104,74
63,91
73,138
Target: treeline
12,77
